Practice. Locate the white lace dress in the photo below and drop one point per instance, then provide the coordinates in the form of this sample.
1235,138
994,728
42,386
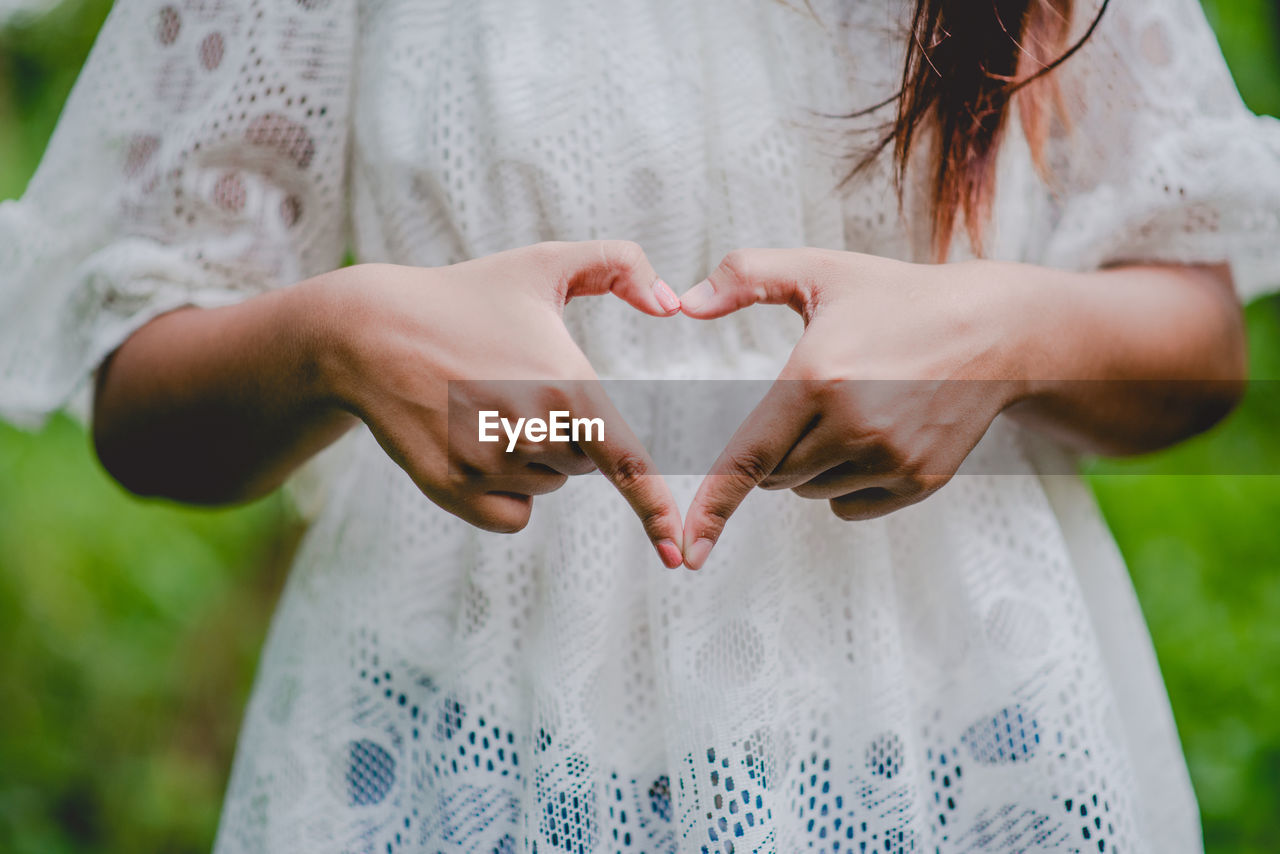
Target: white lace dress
972,673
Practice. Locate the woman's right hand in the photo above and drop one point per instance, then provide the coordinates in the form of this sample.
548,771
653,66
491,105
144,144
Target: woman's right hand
402,345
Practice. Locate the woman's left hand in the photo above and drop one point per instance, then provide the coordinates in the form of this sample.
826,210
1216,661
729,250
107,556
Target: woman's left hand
900,371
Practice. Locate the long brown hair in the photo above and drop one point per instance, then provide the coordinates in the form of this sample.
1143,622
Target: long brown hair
966,60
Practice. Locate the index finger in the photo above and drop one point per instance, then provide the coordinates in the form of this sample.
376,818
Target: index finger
754,451
621,457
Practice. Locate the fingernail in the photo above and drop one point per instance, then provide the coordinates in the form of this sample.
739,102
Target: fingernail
698,552
666,297
670,554
697,296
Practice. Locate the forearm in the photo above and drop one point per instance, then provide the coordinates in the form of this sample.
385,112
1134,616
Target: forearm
218,405
1126,360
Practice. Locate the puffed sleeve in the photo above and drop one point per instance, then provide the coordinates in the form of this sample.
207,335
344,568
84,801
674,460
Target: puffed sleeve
1159,159
199,160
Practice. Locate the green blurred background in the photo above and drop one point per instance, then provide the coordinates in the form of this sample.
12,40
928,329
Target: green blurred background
129,630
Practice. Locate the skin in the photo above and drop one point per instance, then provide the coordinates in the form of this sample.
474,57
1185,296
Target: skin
220,405
1119,361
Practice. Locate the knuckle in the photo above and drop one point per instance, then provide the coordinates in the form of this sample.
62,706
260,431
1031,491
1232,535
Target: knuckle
457,480
749,466
878,442
555,395
811,373
854,446
832,392
653,519
922,483
809,364
713,517
628,471
625,256
911,492
772,483
738,264
911,464
911,484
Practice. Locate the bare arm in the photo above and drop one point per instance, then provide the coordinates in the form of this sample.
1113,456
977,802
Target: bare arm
1132,359
220,405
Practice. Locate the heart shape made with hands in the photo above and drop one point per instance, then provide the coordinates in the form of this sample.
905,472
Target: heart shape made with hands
899,373
868,448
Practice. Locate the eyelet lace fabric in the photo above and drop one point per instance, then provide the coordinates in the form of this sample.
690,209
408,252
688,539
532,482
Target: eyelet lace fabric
972,673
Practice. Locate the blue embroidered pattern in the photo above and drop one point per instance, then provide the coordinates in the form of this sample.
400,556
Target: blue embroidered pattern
441,776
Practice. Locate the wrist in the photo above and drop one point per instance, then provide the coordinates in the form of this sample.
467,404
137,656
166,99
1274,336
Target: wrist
1019,327
1043,312
326,310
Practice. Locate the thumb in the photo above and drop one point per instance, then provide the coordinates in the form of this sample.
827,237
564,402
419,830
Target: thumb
620,267
749,276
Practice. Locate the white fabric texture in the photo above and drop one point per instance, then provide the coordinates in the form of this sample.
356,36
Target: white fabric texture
972,673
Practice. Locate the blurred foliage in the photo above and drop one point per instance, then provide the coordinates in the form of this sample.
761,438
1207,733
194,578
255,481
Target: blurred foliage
1204,551
40,58
129,629
128,635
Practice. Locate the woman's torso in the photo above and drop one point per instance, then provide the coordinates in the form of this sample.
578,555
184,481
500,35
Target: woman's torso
928,681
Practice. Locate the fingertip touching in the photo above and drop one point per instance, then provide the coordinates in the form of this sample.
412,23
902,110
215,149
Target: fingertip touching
699,300
667,299
724,291
696,553
669,553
